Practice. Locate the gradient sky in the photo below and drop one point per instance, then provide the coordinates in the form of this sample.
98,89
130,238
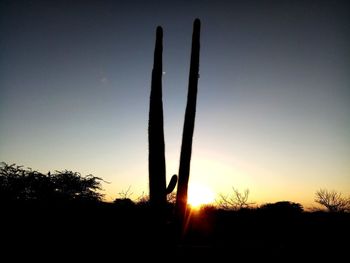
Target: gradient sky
273,111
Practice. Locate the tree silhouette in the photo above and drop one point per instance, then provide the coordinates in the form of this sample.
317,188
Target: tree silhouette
235,201
332,200
72,186
19,184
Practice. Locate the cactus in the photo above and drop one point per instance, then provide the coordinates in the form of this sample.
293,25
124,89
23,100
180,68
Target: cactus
156,161
186,147
172,184
156,154
157,181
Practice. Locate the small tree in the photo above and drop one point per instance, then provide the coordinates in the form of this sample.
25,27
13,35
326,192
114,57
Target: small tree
125,194
19,184
70,185
124,201
333,201
234,201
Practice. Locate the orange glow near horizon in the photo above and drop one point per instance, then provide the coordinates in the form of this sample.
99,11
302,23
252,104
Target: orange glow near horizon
199,195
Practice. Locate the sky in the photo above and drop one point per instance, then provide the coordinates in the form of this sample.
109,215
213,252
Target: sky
273,106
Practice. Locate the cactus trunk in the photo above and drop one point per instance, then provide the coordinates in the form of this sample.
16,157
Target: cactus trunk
156,157
188,128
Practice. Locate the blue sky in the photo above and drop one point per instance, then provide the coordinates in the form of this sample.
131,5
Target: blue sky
273,111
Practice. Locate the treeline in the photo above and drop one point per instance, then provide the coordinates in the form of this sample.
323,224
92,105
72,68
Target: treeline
19,185
22,185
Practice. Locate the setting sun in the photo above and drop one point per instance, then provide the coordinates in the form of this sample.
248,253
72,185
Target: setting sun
199,195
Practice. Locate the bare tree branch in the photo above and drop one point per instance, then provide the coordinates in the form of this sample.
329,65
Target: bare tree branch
235,201
332,200
125,194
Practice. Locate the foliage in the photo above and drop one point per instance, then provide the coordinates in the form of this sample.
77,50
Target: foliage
332,200
171,198
124,200
142,199
123,203
283,207
235,201
125,194
19,184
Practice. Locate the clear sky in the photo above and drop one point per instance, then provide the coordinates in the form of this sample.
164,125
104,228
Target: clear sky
273,111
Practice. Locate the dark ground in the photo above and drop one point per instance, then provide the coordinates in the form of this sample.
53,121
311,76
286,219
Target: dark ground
128,233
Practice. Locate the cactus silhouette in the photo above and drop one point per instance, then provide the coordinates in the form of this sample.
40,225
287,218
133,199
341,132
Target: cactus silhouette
188,128
157,168
172,184
156,157
156,154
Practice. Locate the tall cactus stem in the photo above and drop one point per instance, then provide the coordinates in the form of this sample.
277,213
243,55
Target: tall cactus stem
156,154
188,128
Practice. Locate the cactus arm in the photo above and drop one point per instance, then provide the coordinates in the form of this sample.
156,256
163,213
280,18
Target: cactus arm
172,184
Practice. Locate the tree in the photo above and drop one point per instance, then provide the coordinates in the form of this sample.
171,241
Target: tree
19,184
235,201
333,201
72,186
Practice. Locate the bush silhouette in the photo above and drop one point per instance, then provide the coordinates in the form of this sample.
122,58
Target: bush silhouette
19,184
282,207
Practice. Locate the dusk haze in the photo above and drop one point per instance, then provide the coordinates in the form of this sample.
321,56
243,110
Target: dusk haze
273,103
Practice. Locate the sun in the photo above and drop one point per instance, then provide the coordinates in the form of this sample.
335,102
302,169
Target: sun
199,195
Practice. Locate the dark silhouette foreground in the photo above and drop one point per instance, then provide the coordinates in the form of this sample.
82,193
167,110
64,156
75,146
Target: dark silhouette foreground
39,221
85,230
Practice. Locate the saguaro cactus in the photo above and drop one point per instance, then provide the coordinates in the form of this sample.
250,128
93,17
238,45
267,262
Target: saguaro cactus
156,154
157,181
188,128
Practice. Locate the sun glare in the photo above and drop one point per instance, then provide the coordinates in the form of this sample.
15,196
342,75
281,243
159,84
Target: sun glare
199,195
